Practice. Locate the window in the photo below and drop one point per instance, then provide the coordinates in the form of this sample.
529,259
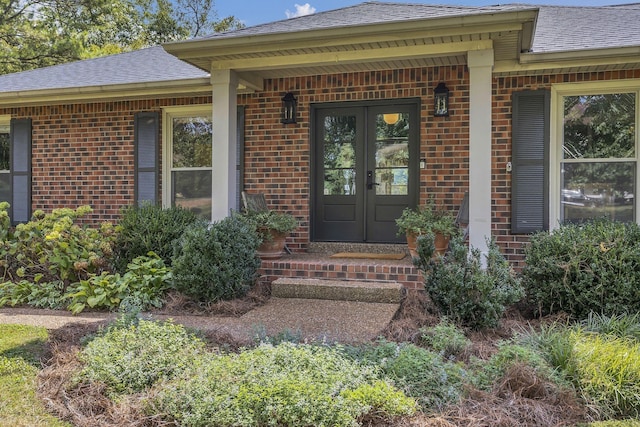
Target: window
5,168
188,154
597,155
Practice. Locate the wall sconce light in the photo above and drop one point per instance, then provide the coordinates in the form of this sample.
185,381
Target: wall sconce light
441,96
289,107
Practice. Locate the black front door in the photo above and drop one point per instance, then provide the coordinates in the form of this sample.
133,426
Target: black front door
366,170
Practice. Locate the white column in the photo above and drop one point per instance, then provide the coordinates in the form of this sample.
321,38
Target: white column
224,122
480,63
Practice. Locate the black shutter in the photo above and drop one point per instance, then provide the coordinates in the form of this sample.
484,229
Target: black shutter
20,153
146,158
530,160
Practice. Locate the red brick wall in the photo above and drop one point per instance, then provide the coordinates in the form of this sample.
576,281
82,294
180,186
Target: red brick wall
277,156
83,154
503,87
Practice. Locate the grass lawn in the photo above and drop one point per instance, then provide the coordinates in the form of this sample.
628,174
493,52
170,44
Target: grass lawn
20,350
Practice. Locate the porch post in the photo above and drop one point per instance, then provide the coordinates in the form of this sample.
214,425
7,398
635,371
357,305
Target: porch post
223,192
480,63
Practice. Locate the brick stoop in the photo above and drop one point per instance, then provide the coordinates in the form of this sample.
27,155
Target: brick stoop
321,266
338,290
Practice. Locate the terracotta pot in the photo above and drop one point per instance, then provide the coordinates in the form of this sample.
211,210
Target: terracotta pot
441,243
272,248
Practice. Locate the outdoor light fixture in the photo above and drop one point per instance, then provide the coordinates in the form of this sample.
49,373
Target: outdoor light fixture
441,97
289,104
391,118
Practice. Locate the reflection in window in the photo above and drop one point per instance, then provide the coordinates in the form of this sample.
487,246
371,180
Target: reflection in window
191,160
392,154
598,171
339,155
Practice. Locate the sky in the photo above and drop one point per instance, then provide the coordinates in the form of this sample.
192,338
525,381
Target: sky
254,12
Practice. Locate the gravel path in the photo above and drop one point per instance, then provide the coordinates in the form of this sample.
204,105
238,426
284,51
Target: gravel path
344,321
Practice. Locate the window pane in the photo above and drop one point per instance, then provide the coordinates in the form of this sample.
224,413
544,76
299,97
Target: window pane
5,187
4,147
192,190
592,190
392,153
599,126
192,142
339,155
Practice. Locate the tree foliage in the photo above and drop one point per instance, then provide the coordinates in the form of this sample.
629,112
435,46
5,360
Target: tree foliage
40,33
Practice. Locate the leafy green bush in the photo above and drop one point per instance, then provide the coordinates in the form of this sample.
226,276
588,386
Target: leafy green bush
286,385
217,263
52,248
144,284
464,291
40,295
422,374
444,338
583,268
133,358
149,228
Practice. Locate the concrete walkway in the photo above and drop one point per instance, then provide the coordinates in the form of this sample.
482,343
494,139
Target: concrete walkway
311,319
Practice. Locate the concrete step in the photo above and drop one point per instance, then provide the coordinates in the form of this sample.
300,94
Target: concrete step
338,290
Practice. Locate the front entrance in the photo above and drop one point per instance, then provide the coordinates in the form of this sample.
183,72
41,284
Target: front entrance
366,170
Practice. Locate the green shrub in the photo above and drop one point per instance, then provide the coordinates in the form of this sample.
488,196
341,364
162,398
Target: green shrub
149,228
40,295
217,263
131,359
583,268
509,354
462,289
53,248
444,338
608,373
420,373
144,285
286,385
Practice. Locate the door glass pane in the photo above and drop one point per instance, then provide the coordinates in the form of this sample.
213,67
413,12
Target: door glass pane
4,147
592,190
5,186
192,190
339,155
599,126
192,142
392,154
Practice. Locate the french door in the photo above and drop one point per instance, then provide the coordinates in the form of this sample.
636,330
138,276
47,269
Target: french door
366,170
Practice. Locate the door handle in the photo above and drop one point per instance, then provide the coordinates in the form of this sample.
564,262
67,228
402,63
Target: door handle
370,181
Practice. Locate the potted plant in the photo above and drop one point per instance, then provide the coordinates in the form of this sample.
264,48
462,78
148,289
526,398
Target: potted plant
427,219
273,228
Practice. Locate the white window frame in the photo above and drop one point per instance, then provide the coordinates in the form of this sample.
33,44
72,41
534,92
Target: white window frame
558,92
168,114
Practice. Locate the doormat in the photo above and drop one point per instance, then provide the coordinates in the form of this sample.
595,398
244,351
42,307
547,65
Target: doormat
367,255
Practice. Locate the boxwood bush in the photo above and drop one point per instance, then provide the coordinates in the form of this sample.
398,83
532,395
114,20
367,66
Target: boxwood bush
219,262
462,289
147,228
583,268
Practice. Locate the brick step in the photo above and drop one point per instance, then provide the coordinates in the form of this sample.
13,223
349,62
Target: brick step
338,290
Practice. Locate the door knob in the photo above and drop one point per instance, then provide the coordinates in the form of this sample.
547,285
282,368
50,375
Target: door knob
370,181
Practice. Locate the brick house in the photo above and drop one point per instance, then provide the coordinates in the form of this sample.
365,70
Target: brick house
196,122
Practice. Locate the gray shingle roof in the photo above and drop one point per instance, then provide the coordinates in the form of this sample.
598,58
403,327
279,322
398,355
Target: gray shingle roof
148,65
562,28
367,13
